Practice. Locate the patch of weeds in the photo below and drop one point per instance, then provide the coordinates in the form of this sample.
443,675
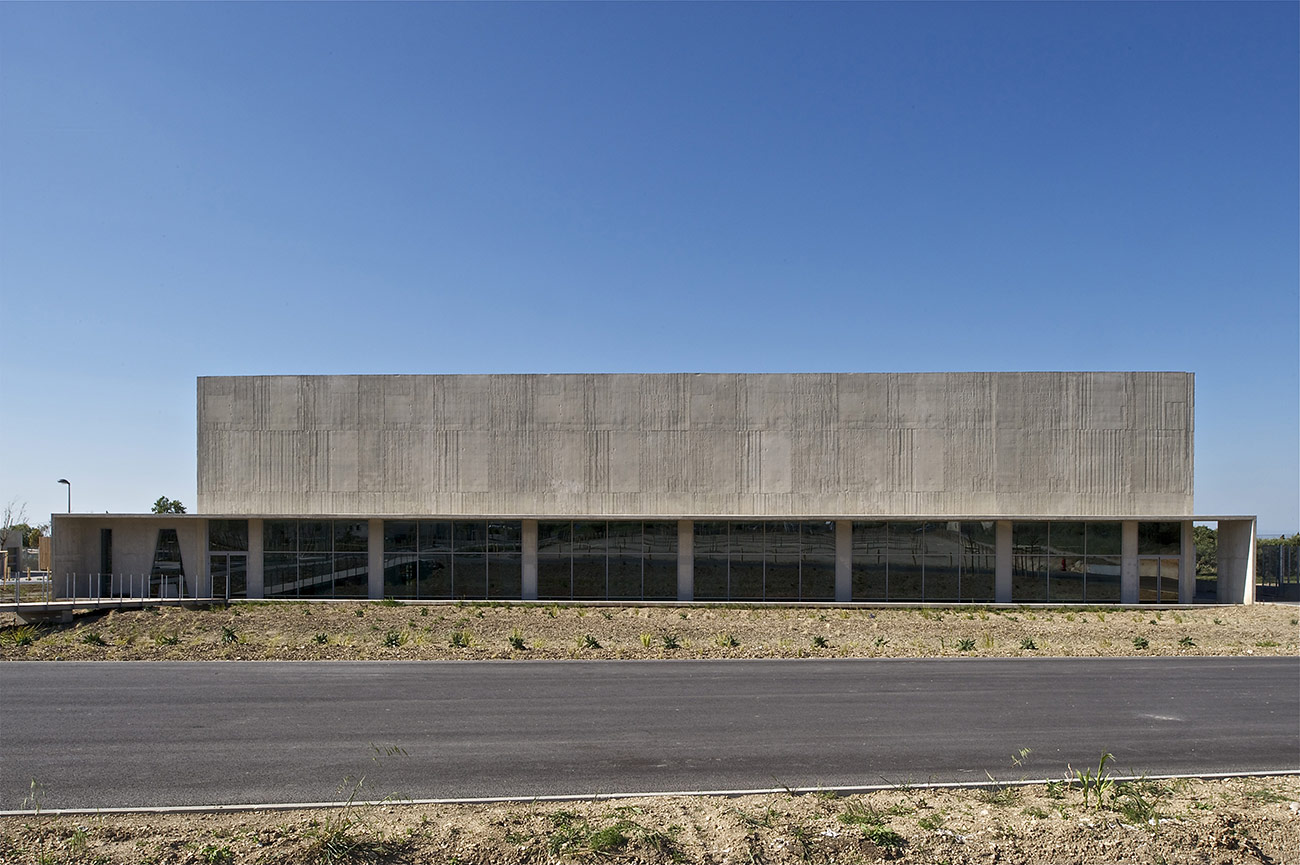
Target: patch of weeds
93,638
1263,795
393,639
1132,802
670,641
361,614
228,635
1000,796
1094,784
1069,617
20,635
461,639
1140,643
167,639
321,639
819,642
726,640
766,820
424,611
886,839
1220,621
881,642
1035,812
647,638
389,602
587,641
932,821
1186,642
1266,644
214,855
965,644
516,639
1295,621
1028,645
553,610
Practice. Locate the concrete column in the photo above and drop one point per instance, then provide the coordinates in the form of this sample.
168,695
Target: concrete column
1187,566
375,560
528,589
843,561
685,560
1128,562
1002,562
1236,561
256,576
201,585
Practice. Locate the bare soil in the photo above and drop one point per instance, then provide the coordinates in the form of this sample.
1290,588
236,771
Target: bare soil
1245,820
389,631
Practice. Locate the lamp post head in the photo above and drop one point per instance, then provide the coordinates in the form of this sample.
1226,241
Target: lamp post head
65,481
69,483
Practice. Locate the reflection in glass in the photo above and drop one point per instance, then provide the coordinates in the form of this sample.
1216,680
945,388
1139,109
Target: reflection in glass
280,536
817,561
505,576
315,536
745,562
280,575
469,576
589,560
659,567
228,535
1029,562
711,561
1159,538
351,575
1102,578
434,576
623,557
942,559
400,575
903,558
979,561
400,536
435,536
870,541
1104,539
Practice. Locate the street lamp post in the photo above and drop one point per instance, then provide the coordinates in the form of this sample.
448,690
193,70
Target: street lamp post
69,484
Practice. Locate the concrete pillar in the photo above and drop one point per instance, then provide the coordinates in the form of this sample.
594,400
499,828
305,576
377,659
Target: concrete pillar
256,579
685,560
201,585
528,588
1187,566
375,560
1236,561
1128,562
1002,562
843,561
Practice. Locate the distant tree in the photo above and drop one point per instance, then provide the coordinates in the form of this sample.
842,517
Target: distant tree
14,521
1284,541
1206,540
165,505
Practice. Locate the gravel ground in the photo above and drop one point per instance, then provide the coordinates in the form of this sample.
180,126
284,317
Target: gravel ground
384,630
1246,820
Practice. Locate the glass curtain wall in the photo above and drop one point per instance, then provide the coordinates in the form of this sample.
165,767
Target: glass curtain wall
765,561
1066,562
228,558
315,558
1159,548
598,560
923,561
453,559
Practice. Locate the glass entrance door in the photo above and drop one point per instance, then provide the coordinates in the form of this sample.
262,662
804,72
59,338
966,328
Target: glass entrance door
1157,580
229,575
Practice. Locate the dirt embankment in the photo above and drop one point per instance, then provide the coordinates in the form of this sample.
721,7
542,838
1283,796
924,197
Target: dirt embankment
387,631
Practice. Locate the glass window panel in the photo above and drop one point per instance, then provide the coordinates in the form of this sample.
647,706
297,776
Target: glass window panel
1104,539
217,571
554,538
589,537
589,560
979,561
470,536
238,576
228,535
505,576
817,561
351,575
1029,539
1148,579
435,536
435,576
280,536
506,537
904,552
315,575
280,575
1065,578
659,565
623,562
1102,578
781,552
746,554
400,536
401,573
942,543
1159,538
554,577
1029,578
711,543
1169,581
1066,539
351,536
870,541
469,574
315,536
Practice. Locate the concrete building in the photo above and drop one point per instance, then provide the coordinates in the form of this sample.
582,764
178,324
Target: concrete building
1061,487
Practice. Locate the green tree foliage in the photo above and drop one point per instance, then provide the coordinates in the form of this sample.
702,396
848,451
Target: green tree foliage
1293,541
1207,550
165,505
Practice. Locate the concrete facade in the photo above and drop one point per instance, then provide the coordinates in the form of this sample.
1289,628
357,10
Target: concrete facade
860,444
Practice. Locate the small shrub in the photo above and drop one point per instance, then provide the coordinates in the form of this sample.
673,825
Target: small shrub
670,641
726,640
819,642
20,635
1266,644
932,821
214,855
461,639
93,638
167,639
393,639
516,639
587,641
647,638
1035,812
390,602
1141,643
228,635
424,611
321,639
1186,642
886,839
361,614
1220,622
1028,645
881,642
965,645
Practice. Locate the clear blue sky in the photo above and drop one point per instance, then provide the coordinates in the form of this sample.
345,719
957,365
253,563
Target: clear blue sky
213,189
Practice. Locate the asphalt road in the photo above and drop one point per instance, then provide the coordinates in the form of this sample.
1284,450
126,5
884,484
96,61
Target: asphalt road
158,733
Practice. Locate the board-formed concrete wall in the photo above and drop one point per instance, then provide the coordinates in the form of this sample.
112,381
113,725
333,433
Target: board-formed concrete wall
834,444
